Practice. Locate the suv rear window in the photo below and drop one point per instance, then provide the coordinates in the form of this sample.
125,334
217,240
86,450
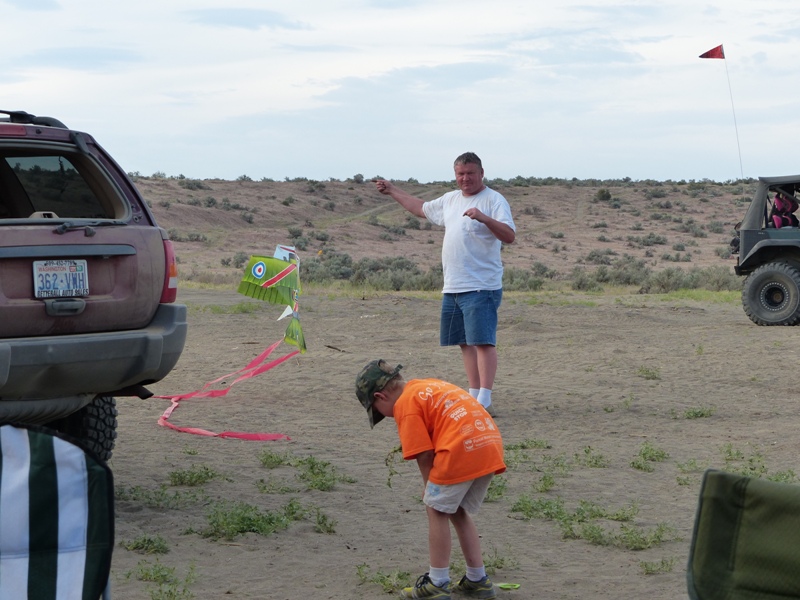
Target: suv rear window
50,184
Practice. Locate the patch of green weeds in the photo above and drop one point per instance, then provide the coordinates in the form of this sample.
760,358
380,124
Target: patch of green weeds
272,486
699,412
583,522
729,453
638,538
146,544
648,454
595,534
753,465
514,457
170,586
649,373
493,561
320,474
323,523
690,466
586,511
629,537
626,513
540,508
591,458
558,465
195,475
546,483
787,476
530,444
665,565
497,488
227,519
316,474
273,460
737,462
390,583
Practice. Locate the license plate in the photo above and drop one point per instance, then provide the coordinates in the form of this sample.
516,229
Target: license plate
60,278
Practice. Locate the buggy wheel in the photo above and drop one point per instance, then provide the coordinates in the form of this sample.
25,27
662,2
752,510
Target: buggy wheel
771,295
95,426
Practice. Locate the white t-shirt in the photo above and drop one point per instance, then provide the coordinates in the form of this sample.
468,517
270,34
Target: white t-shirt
470,252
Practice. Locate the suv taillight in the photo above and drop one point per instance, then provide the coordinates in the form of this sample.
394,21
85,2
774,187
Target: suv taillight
7,129
170,291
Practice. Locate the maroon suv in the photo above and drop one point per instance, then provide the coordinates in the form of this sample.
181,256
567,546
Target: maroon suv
88,283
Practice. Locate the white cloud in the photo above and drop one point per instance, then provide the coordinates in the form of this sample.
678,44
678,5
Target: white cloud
332,88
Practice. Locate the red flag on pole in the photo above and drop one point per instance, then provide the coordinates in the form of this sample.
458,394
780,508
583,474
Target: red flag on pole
717,52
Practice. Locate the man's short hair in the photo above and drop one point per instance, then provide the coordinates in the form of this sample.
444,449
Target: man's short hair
468,158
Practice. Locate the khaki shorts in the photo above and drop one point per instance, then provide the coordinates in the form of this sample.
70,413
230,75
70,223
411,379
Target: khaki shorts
468,495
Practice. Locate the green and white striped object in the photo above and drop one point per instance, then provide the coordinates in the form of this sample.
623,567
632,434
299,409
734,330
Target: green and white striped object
56,517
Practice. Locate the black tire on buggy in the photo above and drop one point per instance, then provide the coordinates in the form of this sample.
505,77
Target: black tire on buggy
771,295
95,425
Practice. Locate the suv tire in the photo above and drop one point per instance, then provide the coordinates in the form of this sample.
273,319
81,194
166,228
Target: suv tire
95,426
771,295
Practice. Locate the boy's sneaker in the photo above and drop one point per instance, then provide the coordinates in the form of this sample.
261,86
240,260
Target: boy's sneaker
490,410
424,588
476,589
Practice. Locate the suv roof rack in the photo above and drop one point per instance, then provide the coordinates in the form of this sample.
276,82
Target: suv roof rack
20,116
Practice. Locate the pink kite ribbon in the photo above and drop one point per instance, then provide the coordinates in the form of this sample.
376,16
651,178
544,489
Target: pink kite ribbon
253,368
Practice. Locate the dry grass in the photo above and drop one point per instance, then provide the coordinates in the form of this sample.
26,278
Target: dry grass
559,226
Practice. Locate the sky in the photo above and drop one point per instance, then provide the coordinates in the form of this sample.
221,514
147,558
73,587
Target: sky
327,89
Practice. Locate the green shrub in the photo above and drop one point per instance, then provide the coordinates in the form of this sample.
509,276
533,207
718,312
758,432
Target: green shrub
602,195
520,280
600,257
192,184
396,274
582,281
240,259
328,266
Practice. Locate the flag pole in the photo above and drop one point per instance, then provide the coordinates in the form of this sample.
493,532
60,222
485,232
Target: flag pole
735,126
719,52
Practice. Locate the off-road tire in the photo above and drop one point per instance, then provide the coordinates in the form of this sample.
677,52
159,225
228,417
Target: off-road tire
95,425
771,295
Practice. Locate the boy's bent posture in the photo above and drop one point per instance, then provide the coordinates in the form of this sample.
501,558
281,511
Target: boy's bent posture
458,449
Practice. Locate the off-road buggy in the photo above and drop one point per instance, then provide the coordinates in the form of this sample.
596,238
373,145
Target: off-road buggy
769,255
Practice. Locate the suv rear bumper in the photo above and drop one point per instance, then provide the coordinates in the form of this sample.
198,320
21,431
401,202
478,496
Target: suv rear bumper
63,366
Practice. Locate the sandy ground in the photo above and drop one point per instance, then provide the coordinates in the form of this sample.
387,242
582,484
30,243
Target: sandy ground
592,377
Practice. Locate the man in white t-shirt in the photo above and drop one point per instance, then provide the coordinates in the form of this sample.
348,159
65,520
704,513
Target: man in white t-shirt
477,222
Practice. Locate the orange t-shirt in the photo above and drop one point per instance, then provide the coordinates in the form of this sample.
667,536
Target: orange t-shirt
435,415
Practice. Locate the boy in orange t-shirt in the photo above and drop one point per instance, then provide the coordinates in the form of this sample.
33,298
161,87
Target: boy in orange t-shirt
458,449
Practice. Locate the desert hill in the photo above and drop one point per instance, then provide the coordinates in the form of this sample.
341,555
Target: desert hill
561,224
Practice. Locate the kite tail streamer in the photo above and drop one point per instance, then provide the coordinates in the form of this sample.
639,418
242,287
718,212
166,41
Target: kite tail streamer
253,368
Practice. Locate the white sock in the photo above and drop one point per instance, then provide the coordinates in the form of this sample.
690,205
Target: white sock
485,397
476,573
439,577
473,392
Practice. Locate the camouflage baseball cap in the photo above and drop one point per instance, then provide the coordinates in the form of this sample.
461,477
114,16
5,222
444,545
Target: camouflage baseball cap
373,378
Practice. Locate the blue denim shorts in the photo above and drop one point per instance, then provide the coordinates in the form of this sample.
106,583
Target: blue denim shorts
470,318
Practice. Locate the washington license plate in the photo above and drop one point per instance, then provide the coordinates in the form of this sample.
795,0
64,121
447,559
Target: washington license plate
60,278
